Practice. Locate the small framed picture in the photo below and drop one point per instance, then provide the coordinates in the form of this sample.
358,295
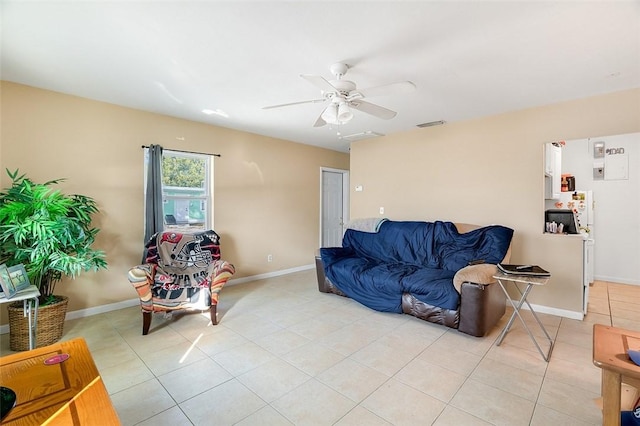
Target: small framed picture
19,277
5,282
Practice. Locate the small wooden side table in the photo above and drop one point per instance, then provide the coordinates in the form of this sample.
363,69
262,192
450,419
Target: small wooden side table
530,282
28,295
610,345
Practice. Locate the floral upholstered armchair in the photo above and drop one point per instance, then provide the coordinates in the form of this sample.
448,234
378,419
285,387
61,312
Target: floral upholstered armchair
181,271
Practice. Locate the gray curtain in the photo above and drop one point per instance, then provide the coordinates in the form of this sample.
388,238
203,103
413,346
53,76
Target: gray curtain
153,215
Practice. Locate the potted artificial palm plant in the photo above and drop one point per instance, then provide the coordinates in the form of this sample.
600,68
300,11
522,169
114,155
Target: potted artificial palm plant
50,233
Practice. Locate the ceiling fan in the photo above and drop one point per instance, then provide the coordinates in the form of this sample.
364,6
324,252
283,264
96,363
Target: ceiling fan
343,96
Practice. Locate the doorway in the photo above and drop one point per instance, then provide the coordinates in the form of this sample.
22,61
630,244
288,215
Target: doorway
334,206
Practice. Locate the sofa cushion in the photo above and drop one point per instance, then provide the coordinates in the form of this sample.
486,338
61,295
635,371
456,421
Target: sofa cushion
489,244
432,286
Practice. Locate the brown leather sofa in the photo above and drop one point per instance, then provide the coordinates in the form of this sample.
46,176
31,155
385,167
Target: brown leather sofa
482,301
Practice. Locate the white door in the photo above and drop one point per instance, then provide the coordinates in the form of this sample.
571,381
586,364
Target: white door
334,206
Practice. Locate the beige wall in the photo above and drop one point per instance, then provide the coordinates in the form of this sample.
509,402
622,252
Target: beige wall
487,171
266,190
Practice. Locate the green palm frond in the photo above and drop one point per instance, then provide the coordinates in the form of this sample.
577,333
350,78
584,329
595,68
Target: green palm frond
47,231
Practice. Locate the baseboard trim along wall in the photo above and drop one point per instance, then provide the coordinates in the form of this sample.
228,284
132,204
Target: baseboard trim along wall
540,309
82,313
617,280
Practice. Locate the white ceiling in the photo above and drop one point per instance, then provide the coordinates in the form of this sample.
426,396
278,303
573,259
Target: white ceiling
467,58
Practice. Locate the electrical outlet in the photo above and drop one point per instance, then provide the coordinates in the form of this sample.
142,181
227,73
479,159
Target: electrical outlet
269,258
381,210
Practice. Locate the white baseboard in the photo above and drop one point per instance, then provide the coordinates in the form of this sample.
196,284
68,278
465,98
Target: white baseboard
235,281
616,280
540,309
82,313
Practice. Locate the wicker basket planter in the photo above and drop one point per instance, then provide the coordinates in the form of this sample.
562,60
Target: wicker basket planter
49,327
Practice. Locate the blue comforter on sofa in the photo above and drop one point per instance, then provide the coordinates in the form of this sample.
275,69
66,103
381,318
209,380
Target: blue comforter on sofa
420,258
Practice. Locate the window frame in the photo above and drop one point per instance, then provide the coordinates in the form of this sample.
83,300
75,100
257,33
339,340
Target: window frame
208,198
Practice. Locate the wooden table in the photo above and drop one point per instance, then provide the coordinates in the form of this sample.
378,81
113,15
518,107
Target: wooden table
610,345
68,393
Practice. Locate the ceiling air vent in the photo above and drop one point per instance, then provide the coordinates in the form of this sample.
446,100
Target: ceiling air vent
362,135
432,123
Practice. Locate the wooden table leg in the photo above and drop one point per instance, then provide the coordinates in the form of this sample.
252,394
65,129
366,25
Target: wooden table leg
611,382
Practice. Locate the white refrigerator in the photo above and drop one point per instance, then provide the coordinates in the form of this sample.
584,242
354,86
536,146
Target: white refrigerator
583,205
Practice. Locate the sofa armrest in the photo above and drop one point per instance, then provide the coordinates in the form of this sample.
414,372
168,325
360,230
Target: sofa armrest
477,274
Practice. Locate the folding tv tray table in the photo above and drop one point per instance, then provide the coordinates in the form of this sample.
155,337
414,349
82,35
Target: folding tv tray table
529,281
28,295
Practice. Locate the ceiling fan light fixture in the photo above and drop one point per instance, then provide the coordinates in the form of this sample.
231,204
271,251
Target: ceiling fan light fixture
330,114
344,112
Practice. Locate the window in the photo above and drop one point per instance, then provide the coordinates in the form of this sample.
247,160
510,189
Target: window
187,189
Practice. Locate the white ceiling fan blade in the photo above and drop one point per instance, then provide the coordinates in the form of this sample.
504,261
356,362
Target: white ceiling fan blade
312,101
320,121
375,110
388,89
320,82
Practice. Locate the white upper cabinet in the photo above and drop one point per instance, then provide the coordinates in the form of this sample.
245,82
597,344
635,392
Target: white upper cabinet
552,170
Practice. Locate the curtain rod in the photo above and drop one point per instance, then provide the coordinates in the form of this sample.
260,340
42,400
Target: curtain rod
187,152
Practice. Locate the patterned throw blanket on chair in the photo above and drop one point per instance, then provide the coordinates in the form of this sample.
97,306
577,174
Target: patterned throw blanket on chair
183,260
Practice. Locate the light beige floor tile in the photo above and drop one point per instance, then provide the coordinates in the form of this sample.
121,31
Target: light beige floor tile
569,400
141,402
576,337
194,379
159,338
431,379
572,353
628,304
226,404
507,378
288,317
352,379
251,326
361,416
519,338
273,379
632,315
313,403
397,403
339,327
389,353
493,405
598,306
349,339
544,416
451,358
221,341
118,354
573,325
626,324
314,328
125,318
243,358
125,375
171,417
415,328
282,341
476,345
451,416
578,374
266,416
172,358
595,318
313,358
